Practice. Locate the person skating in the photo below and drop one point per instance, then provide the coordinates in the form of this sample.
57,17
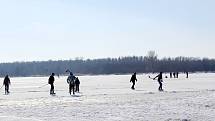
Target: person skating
170,74
177,73
6,83
51,82
160,80
174,74
77,83
71,82
133,79
187,74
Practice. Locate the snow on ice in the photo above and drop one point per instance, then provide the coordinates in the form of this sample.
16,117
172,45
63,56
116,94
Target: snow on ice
109,98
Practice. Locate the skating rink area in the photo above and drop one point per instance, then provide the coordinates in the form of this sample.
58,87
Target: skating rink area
109,98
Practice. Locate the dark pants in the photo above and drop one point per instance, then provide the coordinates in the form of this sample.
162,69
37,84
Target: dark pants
77,87
160,85
52,89
133,83
6,88
71,89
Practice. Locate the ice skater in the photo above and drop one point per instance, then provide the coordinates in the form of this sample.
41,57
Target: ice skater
187,74
51,82
77,83
71,81
6,83
160,80
133,79
170,74
177,73
174,74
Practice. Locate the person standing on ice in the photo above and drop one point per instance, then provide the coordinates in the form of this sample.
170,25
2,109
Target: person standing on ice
187,74
133,79
71,82
77,83
6,83
51,82
160,80
174,74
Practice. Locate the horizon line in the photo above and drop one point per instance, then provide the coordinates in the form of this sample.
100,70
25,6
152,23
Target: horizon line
98,58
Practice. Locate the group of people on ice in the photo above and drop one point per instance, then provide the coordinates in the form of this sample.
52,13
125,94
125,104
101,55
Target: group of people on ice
159,76
159,79
72,81
175,74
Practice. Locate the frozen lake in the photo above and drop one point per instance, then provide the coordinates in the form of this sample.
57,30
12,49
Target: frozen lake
109,98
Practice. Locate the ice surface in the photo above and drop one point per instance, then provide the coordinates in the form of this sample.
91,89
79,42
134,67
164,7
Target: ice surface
109,98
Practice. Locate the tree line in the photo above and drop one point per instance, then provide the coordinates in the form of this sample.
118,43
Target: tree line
121,65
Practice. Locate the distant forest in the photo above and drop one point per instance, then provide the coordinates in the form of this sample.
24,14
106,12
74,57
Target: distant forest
121,65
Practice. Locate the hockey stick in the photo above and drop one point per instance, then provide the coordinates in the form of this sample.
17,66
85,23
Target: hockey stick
151,77
43,86
1,86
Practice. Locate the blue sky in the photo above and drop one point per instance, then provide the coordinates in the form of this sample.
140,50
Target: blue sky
66,29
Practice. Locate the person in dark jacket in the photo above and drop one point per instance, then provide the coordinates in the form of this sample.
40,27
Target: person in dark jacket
51,82
177,73
77,83
170,74
174,74
160,80
187,73
71,82
133,79
6,83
